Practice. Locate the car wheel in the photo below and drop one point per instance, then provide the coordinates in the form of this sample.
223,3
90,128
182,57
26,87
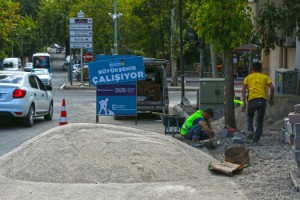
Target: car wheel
50,112
29,119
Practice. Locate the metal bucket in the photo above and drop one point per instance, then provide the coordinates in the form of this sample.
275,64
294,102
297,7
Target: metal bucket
237,155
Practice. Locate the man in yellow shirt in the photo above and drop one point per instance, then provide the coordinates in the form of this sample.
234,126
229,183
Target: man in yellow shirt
256,83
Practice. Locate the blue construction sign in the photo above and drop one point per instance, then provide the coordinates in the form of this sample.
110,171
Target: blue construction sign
119,70
116,99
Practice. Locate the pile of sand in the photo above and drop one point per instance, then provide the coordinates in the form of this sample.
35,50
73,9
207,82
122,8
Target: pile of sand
94,153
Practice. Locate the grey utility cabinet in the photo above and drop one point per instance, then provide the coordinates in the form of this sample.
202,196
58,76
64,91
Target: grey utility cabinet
211,91
285,81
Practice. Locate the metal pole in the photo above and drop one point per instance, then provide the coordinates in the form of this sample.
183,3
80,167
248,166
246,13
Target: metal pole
81,66
181,52
70,65
115,28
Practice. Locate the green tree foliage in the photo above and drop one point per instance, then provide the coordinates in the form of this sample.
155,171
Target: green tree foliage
226,25
154,18
52,21
273,19
28,7
8,23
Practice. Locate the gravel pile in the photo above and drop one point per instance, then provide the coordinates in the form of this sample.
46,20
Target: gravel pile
268,175
95,153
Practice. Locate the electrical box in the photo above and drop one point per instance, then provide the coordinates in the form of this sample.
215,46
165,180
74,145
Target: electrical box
285,81
211,91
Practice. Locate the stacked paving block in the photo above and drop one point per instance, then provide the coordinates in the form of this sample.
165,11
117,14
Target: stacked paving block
293,126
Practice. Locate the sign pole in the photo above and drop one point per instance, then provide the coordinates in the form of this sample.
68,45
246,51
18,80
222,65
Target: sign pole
81,66
70,66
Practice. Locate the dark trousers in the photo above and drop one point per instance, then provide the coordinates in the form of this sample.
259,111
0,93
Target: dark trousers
258,105
196,133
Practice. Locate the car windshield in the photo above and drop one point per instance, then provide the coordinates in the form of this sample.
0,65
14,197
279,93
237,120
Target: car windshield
40,72
11,78
8,64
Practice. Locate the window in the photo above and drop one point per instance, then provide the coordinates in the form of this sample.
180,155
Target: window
33,82
10,78
41,85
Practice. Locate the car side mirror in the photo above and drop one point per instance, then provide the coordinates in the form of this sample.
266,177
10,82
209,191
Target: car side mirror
48,87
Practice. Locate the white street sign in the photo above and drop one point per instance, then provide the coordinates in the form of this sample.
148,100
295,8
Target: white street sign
80,27
81,33
81,45
81,39
80,20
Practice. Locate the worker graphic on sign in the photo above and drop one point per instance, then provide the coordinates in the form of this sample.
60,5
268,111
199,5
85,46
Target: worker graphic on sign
103,107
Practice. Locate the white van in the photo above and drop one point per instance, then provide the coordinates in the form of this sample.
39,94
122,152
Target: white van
12,64
153,91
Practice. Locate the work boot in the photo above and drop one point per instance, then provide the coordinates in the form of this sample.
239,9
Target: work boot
250,135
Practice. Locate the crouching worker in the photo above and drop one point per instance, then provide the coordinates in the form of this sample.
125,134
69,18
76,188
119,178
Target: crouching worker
197,127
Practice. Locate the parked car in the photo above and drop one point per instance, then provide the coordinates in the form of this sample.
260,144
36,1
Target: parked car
12,64
44,75
65,66
58,50
77,71
54,48
24,96
28,66
152,93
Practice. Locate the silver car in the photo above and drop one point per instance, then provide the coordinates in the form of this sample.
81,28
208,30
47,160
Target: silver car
24,96
44,75
28,66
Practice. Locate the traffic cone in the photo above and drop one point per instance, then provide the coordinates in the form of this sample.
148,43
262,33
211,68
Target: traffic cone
63,114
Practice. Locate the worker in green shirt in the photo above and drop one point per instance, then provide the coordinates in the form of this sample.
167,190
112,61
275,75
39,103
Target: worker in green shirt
197,127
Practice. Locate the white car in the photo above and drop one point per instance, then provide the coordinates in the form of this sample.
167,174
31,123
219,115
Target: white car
24,96
28,66
44,75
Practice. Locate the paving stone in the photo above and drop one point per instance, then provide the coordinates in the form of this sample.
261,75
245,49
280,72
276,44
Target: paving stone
296,154
297,108
289,127
296,129
237,140
289,138
294,117
297,142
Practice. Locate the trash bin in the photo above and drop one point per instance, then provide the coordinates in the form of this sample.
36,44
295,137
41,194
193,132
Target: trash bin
172,123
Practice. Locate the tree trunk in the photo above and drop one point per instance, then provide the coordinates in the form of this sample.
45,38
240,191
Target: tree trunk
173,45
229,91
213,62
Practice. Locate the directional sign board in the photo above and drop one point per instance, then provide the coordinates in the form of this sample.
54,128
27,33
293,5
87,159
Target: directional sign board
81,45
81,35
81,39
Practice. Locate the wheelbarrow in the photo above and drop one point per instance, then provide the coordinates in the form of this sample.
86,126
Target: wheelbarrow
172,123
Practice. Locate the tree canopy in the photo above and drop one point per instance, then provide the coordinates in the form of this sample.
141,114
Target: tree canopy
226,25
9,19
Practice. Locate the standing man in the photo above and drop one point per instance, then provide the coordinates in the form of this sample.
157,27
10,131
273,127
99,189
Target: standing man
256,83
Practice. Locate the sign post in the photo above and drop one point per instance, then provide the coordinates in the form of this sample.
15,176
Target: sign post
81,37
115,78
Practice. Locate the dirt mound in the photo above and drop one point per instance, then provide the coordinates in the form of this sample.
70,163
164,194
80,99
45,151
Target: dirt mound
91,153
274,116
